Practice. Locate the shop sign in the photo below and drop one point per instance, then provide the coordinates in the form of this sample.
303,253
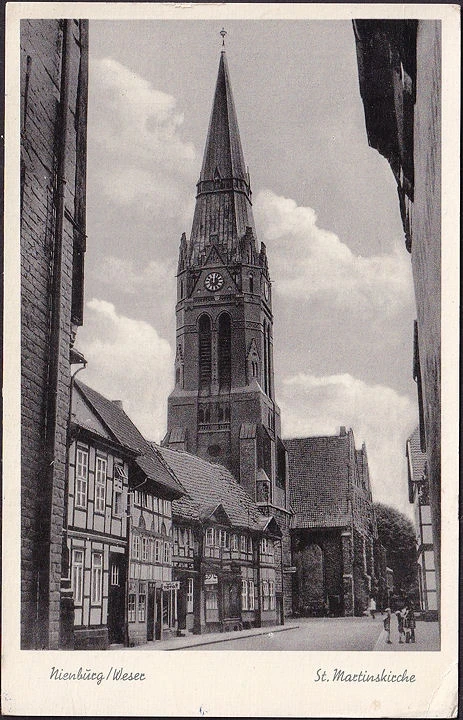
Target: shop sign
211,579
290,569
171,585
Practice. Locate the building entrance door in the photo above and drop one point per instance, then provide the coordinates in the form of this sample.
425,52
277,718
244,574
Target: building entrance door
116,598
231,599
150,611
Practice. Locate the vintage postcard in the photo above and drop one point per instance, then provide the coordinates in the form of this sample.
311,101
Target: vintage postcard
231,368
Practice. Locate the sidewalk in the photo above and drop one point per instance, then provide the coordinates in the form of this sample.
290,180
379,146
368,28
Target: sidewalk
426,634
180,643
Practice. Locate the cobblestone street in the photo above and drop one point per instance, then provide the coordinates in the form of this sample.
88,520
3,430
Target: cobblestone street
338,634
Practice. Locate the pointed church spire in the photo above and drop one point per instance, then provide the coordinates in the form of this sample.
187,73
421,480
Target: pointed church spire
223,205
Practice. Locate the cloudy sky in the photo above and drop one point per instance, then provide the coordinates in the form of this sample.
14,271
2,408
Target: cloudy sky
324,203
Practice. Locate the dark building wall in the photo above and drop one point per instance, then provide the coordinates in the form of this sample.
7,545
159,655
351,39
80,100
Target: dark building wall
400,83
53,125
426,249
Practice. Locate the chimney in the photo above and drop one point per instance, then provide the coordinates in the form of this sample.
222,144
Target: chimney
342,432
118,404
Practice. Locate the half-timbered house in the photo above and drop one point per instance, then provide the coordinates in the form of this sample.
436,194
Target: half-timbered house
119,527
227,555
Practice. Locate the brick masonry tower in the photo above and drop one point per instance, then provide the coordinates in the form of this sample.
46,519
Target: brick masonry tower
223,405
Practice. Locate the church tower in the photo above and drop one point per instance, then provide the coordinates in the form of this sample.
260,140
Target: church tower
223,405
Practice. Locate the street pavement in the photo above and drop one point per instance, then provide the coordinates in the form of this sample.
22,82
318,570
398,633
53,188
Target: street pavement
363,634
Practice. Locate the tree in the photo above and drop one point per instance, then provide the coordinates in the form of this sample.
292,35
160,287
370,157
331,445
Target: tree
397,535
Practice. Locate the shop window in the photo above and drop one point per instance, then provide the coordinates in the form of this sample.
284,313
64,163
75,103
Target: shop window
189,596
97,577
81,478
77,573
265,595
212,600
131,607
100,485
141,607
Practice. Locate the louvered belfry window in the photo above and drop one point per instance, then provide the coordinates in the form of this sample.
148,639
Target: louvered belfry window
224,352
205,352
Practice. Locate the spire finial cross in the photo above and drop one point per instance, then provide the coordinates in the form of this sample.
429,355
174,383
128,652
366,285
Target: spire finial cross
223,32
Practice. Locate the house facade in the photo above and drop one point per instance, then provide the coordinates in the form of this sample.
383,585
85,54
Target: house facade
418,495
399,64
334,534
119,528
227,554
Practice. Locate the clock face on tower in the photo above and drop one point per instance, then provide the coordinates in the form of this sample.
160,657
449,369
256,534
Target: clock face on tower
213,281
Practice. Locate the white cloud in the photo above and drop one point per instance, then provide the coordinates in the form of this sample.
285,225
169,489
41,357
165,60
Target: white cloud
131,279
128,361
308,261
135,145
377,414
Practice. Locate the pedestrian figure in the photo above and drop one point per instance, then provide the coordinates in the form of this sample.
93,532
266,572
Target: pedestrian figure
372,607
410,623
400,626
387,626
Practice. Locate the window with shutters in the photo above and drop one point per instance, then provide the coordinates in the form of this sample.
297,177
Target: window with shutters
131,608
77,574
205,352
251,594
100,485
97,577
81,478
244,595
141,608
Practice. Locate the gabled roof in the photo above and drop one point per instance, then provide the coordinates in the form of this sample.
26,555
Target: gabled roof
110,417
318,481
209,485
416,462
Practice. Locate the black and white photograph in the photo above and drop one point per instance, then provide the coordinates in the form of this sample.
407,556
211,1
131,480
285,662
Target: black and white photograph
231,299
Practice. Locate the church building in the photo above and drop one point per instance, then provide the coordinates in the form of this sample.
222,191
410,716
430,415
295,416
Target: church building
223,406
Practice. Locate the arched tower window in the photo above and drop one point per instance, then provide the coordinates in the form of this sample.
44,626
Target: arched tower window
205,352
265,359
251,284
224,352
269,363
